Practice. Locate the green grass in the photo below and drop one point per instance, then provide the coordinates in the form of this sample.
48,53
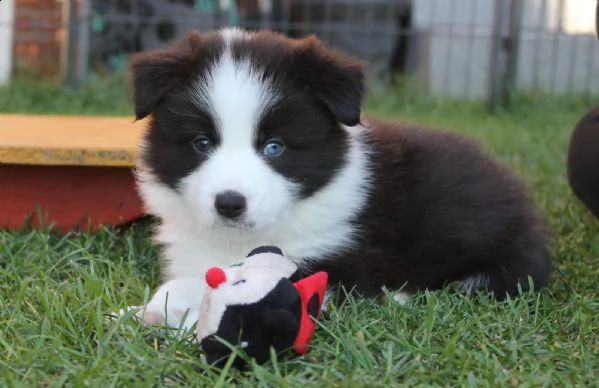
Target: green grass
56,290
101,95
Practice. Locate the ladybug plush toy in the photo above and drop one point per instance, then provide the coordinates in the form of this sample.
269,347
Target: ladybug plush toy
257,305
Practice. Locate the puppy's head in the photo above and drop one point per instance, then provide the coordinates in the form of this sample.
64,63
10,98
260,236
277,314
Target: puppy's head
242,125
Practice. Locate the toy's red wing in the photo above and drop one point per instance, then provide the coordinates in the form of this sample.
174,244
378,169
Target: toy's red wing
311,290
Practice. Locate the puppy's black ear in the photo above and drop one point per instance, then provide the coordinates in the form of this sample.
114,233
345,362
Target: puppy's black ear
155,72
336,79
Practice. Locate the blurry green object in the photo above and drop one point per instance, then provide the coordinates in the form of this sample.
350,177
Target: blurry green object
206,6
212,6
233,13
97,23
118,61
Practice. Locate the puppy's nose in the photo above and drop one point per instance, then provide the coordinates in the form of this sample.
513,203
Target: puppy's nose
230,204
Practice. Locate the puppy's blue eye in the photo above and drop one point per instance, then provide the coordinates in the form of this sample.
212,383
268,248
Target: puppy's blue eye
202,143
273,148
238,282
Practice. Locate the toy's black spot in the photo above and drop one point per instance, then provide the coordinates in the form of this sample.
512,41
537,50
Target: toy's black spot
296,276
265,249
314,306
272,322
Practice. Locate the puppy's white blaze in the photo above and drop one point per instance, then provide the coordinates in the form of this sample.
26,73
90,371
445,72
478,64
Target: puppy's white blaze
237,96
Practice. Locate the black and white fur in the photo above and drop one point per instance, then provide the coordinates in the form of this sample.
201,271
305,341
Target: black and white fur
372,203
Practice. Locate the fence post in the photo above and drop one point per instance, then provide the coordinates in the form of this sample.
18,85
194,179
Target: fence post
504,51
83,44
71,54
597,19
515,27
7,12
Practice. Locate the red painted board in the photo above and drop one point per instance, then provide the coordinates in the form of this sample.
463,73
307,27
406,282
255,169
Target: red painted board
69,197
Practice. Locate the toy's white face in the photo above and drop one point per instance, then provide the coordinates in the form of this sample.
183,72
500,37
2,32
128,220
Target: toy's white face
246,283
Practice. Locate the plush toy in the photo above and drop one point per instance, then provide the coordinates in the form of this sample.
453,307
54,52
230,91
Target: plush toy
259,304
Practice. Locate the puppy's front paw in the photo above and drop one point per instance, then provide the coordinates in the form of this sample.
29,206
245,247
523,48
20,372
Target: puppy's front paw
175,304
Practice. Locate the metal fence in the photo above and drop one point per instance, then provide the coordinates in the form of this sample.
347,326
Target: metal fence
450,48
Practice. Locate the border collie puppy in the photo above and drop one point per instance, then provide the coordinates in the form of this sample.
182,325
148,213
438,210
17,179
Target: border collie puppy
258,139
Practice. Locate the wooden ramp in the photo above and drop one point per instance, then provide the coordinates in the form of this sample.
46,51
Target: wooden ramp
70,171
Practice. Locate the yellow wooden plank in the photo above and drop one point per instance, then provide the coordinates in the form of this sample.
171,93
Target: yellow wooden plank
69,140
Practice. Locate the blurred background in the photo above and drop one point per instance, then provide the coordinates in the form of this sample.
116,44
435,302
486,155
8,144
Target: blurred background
465,49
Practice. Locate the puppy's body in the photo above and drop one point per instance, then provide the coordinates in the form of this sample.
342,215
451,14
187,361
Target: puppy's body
256,139
440,211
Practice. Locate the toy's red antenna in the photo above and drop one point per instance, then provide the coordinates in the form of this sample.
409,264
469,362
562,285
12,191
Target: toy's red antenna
215,277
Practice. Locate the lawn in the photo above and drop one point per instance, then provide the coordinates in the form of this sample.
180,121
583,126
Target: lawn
55,290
